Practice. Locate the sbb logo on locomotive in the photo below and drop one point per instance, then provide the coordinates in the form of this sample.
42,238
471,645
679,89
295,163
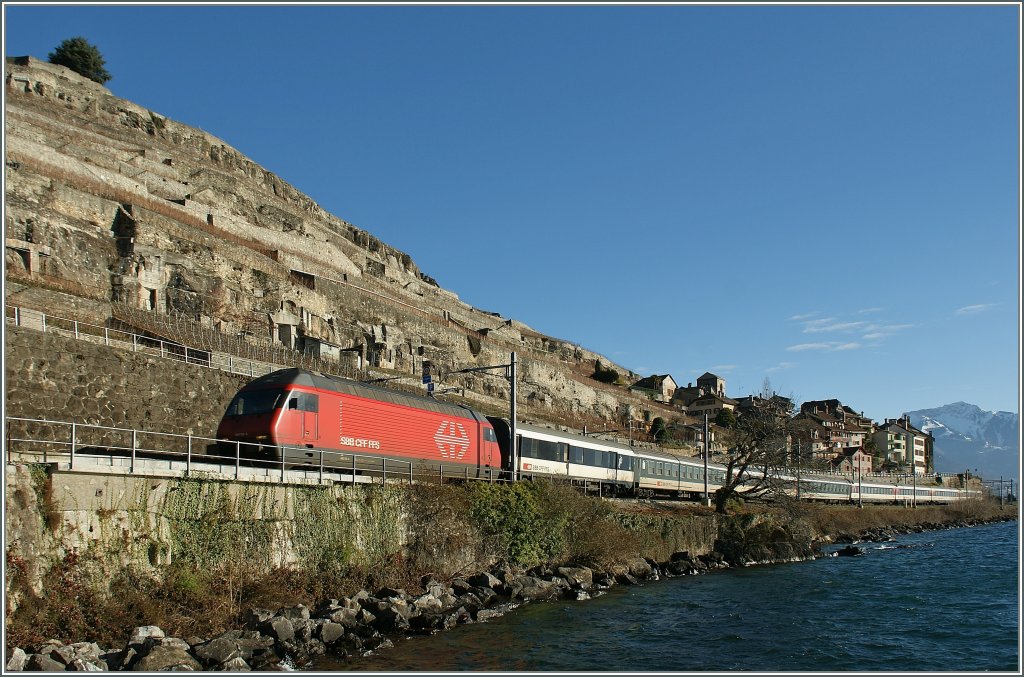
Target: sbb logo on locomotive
452,440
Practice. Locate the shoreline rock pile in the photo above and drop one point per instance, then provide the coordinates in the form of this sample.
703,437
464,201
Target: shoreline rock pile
290,637
889,533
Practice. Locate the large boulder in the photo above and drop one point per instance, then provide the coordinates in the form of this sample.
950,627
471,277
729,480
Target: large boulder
577,577
255,617
639,567
142,633
298,612
485,595
40,663
426,602
217,651
330,632
390,618
349,618
236,664
485,580
531,587
17,661
167,658
279,628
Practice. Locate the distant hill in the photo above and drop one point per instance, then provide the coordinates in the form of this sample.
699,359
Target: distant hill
966,436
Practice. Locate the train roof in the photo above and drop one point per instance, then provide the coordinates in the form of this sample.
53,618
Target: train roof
593,441
662,454
338,384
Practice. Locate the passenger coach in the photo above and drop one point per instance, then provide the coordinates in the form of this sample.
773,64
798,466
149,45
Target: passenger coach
597,465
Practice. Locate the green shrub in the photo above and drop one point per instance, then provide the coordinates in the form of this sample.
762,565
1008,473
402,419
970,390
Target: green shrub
512,514
81,56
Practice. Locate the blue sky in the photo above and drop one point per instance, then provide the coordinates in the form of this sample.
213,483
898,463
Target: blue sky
825,196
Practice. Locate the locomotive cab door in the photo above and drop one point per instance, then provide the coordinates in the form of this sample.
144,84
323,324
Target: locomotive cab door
307,406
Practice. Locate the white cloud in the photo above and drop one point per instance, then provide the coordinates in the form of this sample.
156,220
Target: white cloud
722,368
881,331
830,346
863,311
835,326
809,346
972,310
780,366
805,316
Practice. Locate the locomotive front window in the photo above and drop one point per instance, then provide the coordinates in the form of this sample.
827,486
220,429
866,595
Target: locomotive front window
250,403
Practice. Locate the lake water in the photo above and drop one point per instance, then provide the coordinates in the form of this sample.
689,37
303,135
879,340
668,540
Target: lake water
937,601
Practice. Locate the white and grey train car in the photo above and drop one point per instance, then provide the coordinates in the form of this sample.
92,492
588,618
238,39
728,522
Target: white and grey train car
848,490
611,468
660,472
598,465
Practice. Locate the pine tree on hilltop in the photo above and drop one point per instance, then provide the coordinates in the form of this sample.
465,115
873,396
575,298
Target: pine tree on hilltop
82,57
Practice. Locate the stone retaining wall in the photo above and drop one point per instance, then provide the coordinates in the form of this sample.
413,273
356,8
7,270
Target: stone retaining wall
61,379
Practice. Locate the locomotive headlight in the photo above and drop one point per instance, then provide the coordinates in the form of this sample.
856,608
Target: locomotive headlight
263,437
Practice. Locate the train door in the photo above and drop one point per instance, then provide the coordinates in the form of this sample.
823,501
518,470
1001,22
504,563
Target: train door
311,419
307,406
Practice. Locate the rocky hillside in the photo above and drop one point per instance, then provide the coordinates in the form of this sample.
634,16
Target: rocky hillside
115,213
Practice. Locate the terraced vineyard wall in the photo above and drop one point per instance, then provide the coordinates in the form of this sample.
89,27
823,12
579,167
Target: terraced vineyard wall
61,379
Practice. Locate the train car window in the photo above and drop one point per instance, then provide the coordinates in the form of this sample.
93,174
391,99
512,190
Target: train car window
541,449
255,402
625,462
489,435
576,455
551,451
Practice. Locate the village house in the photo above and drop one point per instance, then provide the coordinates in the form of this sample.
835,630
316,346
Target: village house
852,459
707,384
897,441
660,388
829,427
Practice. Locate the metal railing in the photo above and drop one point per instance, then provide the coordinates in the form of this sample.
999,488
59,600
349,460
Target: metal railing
83,331
81,445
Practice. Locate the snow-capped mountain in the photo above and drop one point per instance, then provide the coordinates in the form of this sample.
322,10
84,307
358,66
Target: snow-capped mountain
967,437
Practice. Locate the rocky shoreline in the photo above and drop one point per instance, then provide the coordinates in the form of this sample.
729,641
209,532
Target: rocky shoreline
289,638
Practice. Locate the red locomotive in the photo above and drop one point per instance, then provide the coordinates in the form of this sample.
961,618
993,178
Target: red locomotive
300,417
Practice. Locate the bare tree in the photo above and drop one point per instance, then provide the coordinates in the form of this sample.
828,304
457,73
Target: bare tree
758,451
